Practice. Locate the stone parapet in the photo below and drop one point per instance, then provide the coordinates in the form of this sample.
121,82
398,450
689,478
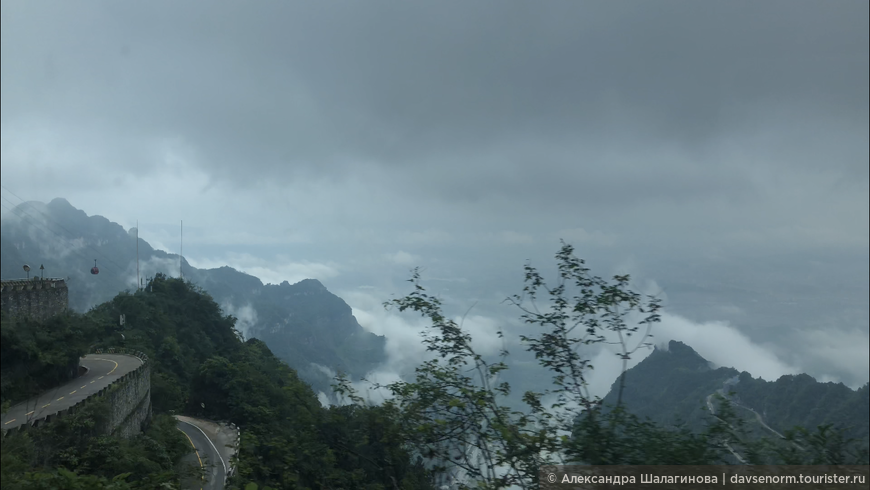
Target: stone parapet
129,399
35,298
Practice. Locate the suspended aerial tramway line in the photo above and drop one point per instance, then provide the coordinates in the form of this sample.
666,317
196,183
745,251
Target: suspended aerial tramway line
32,220
27,216
95,270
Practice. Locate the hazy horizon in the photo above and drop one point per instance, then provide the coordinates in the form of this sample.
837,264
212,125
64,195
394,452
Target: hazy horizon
718,152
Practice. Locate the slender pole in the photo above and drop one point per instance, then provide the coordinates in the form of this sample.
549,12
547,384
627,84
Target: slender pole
181,258
138,281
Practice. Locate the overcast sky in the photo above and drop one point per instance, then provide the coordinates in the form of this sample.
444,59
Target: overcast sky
718,151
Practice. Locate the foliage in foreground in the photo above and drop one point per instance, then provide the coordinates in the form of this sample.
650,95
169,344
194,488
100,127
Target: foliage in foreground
451,419
35,356
201,367
72,452
455,409
288,439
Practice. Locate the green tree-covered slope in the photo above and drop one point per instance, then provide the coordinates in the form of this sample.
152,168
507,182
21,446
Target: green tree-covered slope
202,367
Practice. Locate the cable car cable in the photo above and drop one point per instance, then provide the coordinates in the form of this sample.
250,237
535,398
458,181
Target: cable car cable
72,235
22,214
35,222
19,211
49,218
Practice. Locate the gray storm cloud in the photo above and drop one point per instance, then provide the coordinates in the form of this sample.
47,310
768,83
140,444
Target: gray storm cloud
463,78
719,148
756,112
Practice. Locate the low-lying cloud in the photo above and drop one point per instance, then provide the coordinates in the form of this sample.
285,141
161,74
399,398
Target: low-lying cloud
723,345
246,317
720,342
402,258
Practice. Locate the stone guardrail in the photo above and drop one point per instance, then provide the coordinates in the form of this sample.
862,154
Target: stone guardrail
231,470
232,461
44,419
120,350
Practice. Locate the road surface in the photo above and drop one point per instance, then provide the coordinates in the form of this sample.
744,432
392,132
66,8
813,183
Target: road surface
713,413
211,442
103,369
757,417
761,421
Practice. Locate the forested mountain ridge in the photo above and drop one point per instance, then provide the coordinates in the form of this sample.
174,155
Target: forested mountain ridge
801,400
201,366
671,387
431,426
303,323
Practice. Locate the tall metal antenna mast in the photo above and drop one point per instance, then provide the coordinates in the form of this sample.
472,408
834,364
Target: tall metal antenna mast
181,258
138,280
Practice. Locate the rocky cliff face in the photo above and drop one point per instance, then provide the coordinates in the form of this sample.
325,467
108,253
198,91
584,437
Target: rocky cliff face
313,329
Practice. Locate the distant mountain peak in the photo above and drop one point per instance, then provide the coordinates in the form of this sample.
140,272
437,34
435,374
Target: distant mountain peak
60,202
303,286
799,378
686,355
674,382
303,323
677,347
310,285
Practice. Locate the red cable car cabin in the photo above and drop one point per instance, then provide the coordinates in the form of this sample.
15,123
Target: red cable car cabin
95,270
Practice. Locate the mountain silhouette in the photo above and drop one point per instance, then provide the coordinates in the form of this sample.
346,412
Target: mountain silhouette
303,323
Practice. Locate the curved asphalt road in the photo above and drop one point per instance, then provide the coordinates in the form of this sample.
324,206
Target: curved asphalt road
102,370
205,455
713,413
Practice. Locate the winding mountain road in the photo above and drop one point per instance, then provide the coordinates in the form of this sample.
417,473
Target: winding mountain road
713,413
103,369
213,446
758,417
761,420
213,443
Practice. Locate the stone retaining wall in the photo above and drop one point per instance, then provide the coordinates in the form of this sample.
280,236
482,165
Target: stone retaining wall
129,398
35,298
130,403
